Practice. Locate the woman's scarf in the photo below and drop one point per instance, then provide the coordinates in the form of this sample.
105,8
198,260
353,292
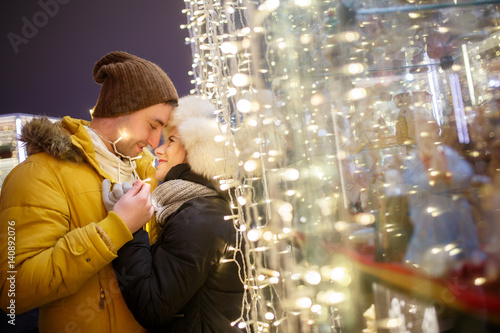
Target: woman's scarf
170,195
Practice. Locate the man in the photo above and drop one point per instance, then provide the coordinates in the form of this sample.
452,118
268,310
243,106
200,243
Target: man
65,239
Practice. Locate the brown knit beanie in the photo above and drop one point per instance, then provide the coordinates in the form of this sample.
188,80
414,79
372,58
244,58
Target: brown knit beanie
129,84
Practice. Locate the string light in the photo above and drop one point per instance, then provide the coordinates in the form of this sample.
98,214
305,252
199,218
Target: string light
293,92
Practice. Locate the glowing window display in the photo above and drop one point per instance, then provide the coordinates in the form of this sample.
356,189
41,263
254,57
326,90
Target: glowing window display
368,135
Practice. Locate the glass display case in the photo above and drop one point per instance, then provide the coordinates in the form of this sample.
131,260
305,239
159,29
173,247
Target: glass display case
12,152
368,135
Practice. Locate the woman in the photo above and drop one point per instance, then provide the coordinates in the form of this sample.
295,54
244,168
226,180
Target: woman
188,280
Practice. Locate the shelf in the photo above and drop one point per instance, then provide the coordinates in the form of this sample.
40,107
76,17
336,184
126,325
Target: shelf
469,299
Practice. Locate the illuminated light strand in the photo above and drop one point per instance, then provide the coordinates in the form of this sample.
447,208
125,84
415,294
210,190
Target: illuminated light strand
257,131
210,72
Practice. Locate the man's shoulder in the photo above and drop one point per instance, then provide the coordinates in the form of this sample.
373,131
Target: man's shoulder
41,135
42,166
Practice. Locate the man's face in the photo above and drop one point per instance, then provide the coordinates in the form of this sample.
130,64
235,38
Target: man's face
141,128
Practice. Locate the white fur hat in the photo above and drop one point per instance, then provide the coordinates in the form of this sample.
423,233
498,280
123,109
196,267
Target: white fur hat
200,134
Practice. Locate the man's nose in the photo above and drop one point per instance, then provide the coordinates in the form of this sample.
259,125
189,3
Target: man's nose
160,150
154,140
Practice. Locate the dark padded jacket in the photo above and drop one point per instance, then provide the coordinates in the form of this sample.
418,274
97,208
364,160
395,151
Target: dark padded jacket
179,284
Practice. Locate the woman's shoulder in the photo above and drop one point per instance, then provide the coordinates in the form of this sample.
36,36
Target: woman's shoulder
208,206
199,220
202,215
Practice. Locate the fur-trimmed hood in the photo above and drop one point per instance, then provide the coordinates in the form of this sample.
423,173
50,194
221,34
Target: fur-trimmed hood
41,135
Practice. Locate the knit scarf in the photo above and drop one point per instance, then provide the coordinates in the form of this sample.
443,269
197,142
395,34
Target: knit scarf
170,195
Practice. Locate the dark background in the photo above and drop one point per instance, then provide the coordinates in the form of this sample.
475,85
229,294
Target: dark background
46,65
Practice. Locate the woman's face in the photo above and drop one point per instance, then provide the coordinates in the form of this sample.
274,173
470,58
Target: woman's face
169,154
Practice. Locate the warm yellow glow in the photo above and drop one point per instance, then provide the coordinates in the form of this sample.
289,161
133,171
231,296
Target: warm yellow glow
479,281
338,273
269,316
317,99
242,201
355,68
303,3
290,174
244,105
303,302
393,323
364,218
357,93
285,209
268,236
254,235
229,9
330,297
240,80
123,134
313,277
274,280
305,38
250,165
436,250
229,48
316,308
350,36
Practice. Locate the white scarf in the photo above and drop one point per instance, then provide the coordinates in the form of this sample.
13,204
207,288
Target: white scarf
120,170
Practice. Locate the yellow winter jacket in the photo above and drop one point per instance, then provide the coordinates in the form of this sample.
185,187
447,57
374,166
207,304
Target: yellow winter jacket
64,239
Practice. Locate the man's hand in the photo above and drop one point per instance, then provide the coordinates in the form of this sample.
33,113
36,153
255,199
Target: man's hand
134,207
